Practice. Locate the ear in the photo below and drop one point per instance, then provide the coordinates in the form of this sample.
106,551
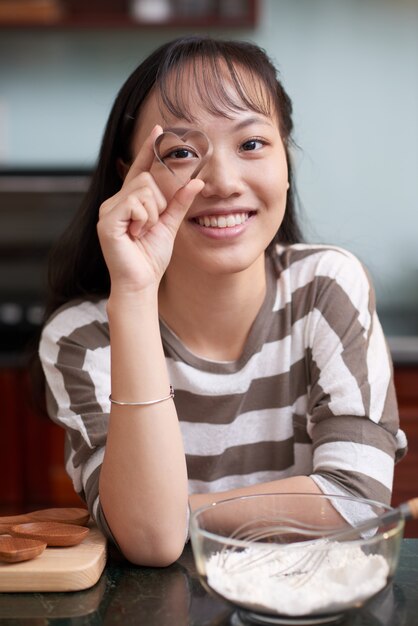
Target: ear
122,168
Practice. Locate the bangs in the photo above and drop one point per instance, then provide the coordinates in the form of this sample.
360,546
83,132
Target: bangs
219,85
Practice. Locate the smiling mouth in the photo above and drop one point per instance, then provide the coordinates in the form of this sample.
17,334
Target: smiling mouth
223,221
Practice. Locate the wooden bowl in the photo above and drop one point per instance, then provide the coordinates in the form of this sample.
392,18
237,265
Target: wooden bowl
8,521
54,533
64,515
17,549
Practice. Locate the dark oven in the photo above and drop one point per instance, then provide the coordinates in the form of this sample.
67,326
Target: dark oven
35,207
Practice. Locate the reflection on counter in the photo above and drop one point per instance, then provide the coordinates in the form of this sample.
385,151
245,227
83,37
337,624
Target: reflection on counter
127,595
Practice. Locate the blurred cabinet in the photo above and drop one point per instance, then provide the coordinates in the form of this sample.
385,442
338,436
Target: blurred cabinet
128,13
406,471
32,472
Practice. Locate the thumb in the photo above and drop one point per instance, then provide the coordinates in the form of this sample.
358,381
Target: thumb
180,204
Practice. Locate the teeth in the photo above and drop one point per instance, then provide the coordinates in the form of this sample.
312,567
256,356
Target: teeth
222,221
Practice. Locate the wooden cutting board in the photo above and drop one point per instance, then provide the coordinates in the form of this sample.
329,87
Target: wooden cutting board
58,569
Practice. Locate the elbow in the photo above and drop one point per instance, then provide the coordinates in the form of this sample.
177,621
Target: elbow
149,536
151,545
152,551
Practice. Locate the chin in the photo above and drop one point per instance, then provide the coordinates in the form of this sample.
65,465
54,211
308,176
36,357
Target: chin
226,264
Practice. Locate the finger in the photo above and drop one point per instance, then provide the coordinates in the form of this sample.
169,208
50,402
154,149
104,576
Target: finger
117,220
142,186
140,207
145,156
145,181
180,204
152,212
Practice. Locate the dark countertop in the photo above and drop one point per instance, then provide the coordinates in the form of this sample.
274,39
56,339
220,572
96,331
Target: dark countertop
126,596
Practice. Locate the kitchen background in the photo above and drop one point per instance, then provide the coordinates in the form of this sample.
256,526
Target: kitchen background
351,69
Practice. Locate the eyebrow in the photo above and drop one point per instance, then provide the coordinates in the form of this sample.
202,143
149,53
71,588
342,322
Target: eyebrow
254,119
178,129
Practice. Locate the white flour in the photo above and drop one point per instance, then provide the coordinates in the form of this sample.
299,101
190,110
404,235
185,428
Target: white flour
257,577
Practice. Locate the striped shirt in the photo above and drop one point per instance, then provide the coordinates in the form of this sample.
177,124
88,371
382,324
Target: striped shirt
311,394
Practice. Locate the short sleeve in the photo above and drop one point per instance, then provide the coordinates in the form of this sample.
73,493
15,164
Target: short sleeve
75,355
352,412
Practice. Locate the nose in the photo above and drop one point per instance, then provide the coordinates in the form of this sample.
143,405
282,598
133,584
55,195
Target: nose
222,176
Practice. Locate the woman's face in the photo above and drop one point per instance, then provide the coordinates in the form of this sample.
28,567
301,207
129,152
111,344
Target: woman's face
240,208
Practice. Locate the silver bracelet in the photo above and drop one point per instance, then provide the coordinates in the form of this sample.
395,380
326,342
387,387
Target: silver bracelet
148,402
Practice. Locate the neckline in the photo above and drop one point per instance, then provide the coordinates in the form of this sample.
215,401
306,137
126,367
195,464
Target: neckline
254,341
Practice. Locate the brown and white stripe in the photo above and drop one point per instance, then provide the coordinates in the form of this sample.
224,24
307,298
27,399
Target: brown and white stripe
311,394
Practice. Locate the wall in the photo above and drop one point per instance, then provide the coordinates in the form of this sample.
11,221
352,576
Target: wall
351,68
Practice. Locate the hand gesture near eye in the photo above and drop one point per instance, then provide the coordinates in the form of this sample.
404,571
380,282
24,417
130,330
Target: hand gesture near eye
137,226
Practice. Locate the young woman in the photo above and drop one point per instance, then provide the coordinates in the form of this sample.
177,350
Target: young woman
196,349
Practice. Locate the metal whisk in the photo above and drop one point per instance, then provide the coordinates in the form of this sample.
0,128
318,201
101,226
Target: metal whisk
294,549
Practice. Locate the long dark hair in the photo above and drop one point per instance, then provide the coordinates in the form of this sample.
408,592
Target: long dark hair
77,267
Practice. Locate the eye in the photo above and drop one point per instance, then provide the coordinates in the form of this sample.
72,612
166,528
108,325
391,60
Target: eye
181,152
255,143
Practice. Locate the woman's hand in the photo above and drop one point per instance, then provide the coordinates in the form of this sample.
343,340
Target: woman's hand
137,226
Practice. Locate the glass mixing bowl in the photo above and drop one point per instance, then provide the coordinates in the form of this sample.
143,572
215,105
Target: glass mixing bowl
277,559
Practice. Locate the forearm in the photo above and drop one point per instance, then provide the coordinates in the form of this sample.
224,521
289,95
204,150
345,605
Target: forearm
295,484
322,513
143,482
